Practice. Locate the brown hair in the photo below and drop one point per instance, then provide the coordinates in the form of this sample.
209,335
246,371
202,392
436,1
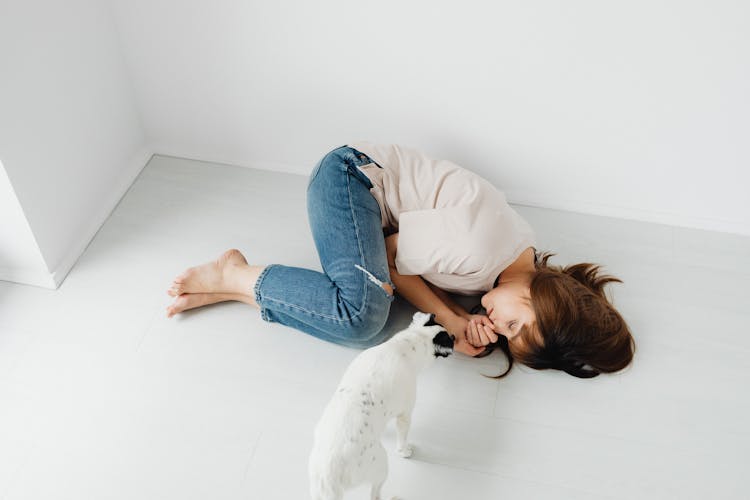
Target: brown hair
577,330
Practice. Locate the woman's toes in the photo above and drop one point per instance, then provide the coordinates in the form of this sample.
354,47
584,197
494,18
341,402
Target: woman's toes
178,284
171,311
183,302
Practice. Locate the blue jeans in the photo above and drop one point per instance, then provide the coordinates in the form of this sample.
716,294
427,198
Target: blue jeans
346,303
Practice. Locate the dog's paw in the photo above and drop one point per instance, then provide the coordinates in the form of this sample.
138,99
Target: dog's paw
406,451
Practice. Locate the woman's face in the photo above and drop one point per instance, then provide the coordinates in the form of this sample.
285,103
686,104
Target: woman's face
508,305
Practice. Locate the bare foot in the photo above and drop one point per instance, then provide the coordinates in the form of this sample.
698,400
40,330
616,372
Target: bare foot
227,274
192,300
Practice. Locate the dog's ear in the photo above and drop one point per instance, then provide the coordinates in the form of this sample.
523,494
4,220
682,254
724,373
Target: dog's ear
443,343
431,321
420,319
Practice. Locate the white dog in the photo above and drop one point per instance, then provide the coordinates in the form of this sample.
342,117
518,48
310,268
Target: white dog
378,385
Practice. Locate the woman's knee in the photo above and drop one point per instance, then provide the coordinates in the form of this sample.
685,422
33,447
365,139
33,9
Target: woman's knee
332,159
366,330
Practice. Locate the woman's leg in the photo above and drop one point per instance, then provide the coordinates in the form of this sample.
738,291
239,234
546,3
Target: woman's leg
348,303
229,277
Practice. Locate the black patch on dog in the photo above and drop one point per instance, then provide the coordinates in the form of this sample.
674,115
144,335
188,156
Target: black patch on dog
431,321
443,343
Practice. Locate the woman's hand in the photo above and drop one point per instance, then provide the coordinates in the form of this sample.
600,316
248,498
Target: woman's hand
459,328
480,330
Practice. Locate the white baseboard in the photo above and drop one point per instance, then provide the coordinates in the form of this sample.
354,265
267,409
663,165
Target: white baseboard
31,277
131,170
739,227
260,165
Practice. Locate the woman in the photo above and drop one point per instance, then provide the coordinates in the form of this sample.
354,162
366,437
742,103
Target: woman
389,219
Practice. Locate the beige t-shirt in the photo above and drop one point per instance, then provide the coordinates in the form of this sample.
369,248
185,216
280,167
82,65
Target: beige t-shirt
456,229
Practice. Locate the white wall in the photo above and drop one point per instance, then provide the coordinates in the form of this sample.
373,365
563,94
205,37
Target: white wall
71,141
20,259
633,109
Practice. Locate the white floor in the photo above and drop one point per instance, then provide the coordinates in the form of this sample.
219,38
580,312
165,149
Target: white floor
102,397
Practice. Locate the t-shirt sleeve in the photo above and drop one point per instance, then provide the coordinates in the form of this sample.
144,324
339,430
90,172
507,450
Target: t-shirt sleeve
440,240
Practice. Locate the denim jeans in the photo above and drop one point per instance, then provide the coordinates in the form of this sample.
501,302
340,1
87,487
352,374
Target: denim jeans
346,303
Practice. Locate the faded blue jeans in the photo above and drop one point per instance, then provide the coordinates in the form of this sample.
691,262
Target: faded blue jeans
346,303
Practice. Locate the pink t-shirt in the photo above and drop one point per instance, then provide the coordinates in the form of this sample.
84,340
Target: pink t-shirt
456,229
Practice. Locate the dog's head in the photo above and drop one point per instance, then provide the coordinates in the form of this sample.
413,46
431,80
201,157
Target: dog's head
442,341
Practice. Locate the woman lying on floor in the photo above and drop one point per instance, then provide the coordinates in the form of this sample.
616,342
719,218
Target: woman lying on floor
388,219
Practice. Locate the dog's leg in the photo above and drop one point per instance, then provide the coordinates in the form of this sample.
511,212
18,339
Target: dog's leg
375,491
321,491
378,470
404,449
316,494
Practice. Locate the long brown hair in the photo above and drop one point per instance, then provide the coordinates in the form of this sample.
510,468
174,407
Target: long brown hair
577,330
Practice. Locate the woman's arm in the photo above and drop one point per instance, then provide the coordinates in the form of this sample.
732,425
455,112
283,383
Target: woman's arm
415,290
454,306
